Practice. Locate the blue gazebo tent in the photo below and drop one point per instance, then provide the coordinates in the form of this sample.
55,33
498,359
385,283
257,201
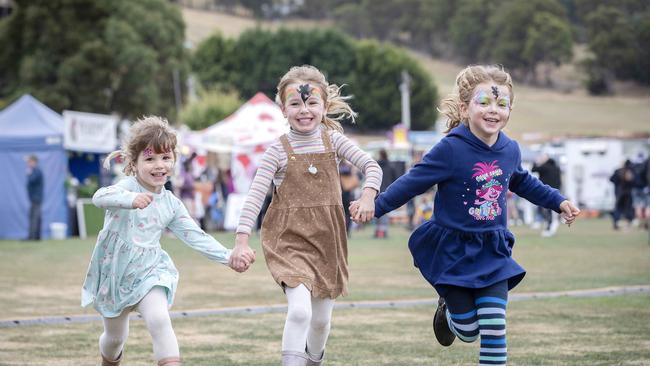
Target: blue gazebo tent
29,127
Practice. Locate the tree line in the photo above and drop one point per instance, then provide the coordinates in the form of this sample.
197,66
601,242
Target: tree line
99,56
128,57
371,71
528,37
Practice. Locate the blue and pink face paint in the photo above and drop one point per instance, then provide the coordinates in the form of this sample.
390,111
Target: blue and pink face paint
482,98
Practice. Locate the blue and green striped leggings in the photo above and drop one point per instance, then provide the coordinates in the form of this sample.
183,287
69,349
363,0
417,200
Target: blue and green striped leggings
473,312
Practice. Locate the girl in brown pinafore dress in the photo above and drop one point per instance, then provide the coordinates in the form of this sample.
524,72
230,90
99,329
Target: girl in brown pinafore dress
303,233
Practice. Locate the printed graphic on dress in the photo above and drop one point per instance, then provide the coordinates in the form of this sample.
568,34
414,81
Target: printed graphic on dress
489,191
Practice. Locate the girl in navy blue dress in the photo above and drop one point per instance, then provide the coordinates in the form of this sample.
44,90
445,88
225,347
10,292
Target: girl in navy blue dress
464,251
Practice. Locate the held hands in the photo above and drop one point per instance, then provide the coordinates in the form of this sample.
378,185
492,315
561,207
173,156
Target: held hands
569,212
242,255
363,209
142,200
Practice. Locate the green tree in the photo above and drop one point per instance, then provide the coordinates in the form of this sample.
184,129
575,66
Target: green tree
257,7
352,19
213,62
99,56
548,41
511,27
212,107
468,28
263,57
374,85
642,42
619,41
372,71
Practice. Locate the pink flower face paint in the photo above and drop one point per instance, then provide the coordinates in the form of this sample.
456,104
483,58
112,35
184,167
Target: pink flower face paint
147,152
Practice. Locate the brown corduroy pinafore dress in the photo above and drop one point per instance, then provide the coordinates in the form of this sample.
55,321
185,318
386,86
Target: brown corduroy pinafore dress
303,233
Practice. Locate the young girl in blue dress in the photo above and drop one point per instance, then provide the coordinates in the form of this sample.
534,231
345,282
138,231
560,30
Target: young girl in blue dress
129,270
464,251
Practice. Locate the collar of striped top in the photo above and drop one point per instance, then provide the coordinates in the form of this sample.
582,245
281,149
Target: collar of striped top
297,135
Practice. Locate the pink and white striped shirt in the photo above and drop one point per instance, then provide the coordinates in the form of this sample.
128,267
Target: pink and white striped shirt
273,167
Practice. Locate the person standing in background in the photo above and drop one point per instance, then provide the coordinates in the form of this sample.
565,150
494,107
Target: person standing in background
623,180
389,176
550,174
349,182
35,193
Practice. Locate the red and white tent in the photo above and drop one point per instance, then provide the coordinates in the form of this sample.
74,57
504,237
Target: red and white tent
257,122
246,134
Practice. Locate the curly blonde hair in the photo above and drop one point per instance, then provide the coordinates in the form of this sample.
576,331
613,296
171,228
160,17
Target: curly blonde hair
147,132
336,105
466,81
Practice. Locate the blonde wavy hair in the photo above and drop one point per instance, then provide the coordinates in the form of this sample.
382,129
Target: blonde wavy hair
336,105
147,132
466,81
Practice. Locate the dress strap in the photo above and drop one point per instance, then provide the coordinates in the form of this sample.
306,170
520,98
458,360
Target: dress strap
285,143
327,142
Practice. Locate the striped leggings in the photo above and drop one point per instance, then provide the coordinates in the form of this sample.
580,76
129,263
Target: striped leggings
474,312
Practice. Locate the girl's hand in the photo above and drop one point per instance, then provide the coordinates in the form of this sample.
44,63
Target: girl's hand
364,207
142,200
569,212
242,255
354,208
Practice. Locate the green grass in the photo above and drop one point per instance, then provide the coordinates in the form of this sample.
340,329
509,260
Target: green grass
44,279
565,331
40,279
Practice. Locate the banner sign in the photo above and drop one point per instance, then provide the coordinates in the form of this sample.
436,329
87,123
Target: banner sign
89,132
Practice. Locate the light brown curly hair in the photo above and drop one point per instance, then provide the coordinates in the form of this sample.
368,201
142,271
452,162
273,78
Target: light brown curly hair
147,132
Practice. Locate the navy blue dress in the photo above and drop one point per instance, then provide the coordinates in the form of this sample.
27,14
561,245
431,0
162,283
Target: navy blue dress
467,242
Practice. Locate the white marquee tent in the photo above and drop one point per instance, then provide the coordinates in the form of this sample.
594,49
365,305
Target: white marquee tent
257,122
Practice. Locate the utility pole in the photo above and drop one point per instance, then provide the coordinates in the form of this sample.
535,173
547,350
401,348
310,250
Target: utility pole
404,88
177,91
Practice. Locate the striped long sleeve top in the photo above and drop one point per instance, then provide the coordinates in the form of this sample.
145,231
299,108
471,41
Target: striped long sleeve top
274,165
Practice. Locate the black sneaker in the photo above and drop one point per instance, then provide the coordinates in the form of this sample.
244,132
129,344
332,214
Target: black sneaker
444,335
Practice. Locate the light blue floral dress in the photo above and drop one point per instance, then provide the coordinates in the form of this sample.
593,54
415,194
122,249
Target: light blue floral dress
128,260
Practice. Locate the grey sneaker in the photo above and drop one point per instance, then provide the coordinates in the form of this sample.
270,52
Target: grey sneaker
444,335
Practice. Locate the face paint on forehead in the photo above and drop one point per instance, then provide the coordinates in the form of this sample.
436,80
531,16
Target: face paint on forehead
147,152
504,100
305,92
481,97
495,92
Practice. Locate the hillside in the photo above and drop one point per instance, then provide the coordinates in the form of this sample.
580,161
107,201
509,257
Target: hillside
538,113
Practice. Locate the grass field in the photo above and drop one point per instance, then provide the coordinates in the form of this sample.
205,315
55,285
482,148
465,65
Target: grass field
41,279
538,113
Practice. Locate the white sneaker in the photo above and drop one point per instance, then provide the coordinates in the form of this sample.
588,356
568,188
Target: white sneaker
547,234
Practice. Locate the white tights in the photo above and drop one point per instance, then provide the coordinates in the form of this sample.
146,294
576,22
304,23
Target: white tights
308,321
153,308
